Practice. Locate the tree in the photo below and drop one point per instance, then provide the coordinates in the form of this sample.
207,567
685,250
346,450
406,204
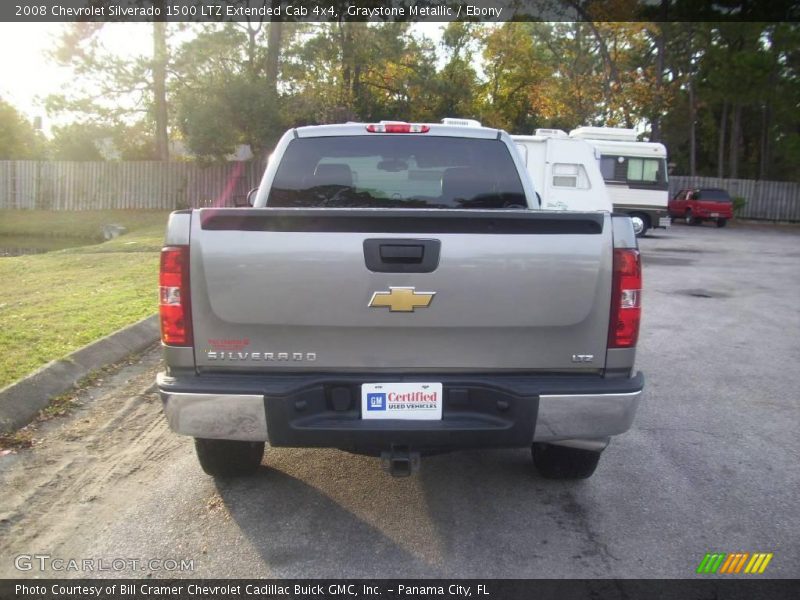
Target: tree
159,84
92,142
112,90
76,141
348,71
456,85
18,139
222,92
571,91
516,74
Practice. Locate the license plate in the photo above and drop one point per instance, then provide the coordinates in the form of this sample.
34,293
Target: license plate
714,214
413,401
664,222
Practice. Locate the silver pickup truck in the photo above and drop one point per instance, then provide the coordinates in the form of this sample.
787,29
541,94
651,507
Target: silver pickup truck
396,291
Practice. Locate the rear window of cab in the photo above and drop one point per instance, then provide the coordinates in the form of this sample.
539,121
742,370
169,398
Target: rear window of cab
718,195
393,171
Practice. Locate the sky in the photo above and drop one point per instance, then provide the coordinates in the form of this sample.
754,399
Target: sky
27,76
24,72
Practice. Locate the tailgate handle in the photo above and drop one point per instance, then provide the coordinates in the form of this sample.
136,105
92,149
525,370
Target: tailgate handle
395,255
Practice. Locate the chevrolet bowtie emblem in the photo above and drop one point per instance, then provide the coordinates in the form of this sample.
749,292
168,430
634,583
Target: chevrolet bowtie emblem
402,299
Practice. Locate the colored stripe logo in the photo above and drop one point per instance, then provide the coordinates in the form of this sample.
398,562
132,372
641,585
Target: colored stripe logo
735,563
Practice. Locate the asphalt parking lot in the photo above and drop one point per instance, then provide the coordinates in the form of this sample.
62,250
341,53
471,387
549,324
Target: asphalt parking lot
711,463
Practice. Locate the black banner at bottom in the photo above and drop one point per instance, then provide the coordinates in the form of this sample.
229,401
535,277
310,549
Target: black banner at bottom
395,589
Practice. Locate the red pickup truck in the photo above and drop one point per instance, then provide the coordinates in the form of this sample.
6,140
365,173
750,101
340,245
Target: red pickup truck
702,204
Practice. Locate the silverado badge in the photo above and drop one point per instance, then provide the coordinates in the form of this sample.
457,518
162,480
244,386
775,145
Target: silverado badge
401,299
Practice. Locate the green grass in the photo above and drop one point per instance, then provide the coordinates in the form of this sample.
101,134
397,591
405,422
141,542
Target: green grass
76,224
52,304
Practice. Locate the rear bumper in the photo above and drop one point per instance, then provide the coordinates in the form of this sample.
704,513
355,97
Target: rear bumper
324,410
700,212
712,214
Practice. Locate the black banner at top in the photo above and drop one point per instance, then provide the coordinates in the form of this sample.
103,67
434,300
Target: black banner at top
397,10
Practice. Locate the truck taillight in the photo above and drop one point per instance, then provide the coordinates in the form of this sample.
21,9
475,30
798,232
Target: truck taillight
626,299
398,128
173,305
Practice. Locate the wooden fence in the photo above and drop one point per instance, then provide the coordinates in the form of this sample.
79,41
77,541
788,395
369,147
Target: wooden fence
103,185
766,200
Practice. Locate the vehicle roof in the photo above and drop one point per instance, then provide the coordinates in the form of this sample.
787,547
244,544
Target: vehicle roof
436,129
544,138
642,149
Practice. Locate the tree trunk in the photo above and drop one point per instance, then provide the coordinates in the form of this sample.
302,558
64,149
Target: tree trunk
160,88
344,45
735,140
692,128
763,163
252,50
766,115
274,53
655,127
723,123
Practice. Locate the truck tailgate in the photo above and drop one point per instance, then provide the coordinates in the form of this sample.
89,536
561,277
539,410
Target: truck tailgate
290,289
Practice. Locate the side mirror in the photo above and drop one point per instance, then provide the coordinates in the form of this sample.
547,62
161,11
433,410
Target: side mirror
243,202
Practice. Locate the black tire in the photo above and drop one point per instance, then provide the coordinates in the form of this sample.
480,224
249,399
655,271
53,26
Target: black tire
561,462
641,224
722,222
690,218
228,458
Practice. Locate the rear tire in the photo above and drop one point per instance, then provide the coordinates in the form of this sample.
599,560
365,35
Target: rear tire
721,222
561,462
641,223
228,458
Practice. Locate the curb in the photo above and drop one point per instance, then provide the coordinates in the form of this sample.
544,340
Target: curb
22,400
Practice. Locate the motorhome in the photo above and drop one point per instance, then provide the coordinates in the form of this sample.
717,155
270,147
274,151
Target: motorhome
635,174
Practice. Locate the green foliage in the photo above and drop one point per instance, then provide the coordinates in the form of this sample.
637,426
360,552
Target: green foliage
738,205
18,139
223,97
338,72
246,82
84,224
113,99
77,141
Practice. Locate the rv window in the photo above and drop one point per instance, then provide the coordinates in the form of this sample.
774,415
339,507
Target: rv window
630,169
570,175
643,169
607,167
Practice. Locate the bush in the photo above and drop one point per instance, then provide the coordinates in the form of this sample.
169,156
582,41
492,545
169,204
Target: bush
738,205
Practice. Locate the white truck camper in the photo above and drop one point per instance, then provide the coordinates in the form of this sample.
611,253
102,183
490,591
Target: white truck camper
565,171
